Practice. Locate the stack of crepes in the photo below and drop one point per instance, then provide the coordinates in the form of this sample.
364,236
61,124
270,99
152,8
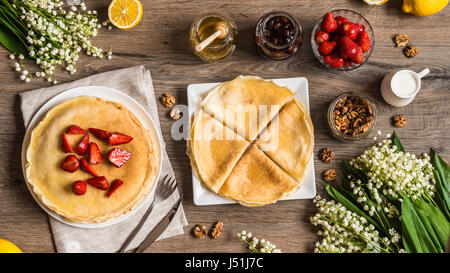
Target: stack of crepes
251,141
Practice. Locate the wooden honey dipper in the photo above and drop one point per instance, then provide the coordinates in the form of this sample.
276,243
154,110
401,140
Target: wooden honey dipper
221,32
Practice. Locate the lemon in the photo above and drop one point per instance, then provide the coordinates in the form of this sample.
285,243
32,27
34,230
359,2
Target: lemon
125,14
423,7
8,247
375,2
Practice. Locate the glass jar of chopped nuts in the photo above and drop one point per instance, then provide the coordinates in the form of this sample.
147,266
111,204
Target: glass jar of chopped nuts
351,117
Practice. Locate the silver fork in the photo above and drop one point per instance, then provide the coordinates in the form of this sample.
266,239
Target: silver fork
165,188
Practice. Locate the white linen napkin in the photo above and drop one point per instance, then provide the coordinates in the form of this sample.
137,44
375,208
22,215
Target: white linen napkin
137,83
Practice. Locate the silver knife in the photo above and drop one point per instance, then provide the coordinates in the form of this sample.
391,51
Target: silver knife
159,228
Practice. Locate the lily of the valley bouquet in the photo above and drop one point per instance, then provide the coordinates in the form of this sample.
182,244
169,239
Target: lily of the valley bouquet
49,35
389,201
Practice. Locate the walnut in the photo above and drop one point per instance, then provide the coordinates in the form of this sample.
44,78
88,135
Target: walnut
329,175
411,51
200,231
217,230
175,114
167,100
401,40
399,120
353,115
327,155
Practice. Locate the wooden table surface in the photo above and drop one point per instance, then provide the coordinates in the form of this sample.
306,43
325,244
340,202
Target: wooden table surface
160,42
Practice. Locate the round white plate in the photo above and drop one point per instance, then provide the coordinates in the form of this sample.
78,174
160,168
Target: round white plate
107,94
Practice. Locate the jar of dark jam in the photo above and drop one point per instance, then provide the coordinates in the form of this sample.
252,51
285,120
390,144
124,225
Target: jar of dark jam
278,35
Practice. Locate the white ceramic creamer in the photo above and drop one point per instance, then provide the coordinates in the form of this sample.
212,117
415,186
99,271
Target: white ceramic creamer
401,87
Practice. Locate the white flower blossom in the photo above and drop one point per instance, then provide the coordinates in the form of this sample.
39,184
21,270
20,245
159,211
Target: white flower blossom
396,173
345,231
391,175
257,246
55,36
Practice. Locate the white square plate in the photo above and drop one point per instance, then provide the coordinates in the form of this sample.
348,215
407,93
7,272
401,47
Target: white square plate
202,195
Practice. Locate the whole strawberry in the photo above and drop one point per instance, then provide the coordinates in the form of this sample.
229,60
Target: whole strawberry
321,36
329,24
359,56
361,28
341,20
350,30
348,48
364,41
79,187
334,60
327,47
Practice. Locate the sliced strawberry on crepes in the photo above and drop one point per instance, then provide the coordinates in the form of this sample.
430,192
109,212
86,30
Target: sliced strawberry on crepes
99,182
70,164
95,156
114,186
75,130
118,157
100,134
118,138
83,145
65,144
86,167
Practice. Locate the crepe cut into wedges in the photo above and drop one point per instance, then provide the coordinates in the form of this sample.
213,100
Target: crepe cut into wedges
290,145
214,150
257,180
246,104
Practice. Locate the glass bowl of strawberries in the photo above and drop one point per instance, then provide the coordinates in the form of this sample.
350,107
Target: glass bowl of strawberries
342,40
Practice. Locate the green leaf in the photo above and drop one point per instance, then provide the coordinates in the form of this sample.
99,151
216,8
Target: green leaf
11,42
409,233
442,177
396,141
336,195
425,219
10,35
416,237
439,225
442,198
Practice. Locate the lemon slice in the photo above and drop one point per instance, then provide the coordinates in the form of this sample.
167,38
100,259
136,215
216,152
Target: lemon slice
375,2
125,14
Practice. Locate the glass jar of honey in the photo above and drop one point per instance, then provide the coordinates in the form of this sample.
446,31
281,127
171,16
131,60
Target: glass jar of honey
278,35
218,49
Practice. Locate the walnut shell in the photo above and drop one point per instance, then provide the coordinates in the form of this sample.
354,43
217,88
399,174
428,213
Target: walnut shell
217,230
399,120
200,231
327,155
167,100
330,175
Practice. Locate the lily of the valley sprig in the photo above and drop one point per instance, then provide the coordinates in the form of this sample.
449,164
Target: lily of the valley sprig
44,32
395,173
257,246
389,201
345,231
